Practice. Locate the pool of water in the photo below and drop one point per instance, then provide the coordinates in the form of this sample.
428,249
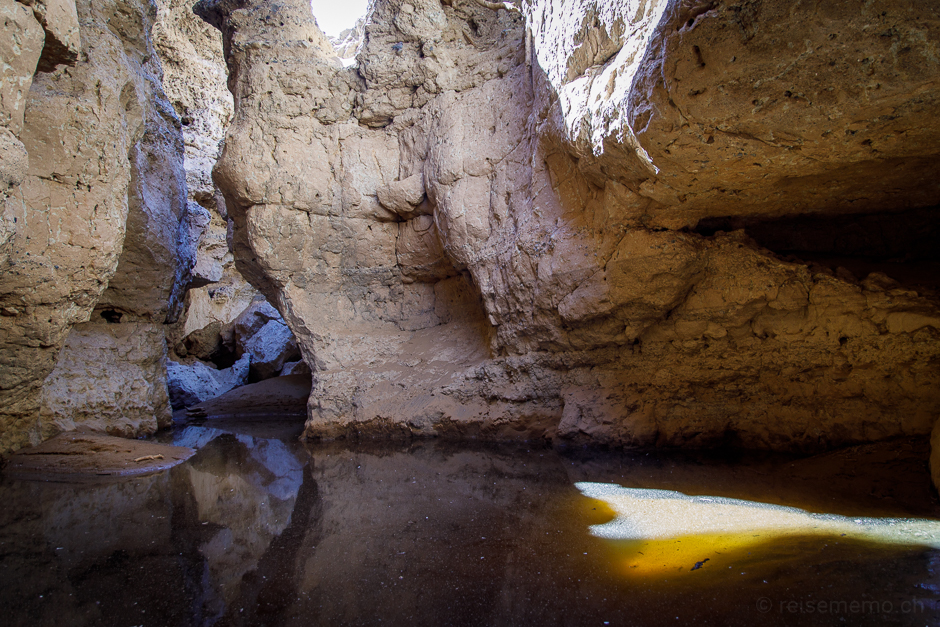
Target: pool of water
260,529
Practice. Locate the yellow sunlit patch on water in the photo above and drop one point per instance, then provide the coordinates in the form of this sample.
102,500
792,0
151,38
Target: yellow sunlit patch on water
661,531
598,512
687,554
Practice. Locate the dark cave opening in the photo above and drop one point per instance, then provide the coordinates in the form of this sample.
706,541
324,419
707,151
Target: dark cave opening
902,245
111,316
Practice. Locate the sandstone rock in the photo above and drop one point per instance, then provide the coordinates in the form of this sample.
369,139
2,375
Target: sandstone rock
346,44
194,80
21,46
158,253
59,20
151,276
419,252
557,284
277,398
203,343
192,384
248,323
404,197
109,378
213,249
69,213
723,121
270,348
88,455
221,302
21,40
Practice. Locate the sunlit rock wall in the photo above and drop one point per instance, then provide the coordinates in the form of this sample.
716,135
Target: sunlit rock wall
99,220
488,227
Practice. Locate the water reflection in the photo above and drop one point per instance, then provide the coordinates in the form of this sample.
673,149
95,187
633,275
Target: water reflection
255,530
244,489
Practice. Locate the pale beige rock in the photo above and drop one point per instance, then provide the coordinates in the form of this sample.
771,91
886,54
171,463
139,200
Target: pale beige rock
109,378
157,255
21,40
562,174
81,125
404,197
85,455
419,252
59,19
194,80
20,48
221,302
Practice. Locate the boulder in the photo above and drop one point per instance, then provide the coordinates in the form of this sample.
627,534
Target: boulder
109,378
203,343
270,348
248,323
195,383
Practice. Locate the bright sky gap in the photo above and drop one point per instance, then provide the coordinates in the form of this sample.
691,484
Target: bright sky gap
334,17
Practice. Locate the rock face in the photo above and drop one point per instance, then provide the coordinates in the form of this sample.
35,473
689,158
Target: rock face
496,224
109,377
346,44
194,80
194,383
96,229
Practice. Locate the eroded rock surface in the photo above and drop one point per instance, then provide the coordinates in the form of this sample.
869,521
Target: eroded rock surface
490,226
111,378
102,150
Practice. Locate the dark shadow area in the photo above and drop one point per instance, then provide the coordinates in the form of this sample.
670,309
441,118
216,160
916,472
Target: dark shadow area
902,245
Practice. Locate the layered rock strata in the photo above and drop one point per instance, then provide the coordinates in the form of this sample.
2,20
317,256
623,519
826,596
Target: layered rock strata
97,231
490,227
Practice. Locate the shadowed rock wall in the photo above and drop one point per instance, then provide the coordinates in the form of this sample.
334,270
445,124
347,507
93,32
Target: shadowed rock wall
486,228
98,220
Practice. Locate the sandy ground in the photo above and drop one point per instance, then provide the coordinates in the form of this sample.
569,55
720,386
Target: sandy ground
77,455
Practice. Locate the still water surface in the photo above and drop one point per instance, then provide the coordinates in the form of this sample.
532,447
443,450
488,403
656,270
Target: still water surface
259,529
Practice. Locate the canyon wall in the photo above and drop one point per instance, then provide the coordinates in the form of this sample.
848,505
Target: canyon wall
195,83
96,238
497,223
